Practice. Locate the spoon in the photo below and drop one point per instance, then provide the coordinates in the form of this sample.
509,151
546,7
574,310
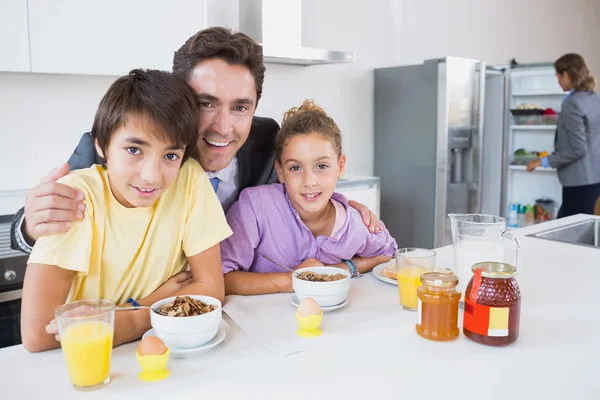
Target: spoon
298,275
131,309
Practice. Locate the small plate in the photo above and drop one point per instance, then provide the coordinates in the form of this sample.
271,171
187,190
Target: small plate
186,353
378,273
295,302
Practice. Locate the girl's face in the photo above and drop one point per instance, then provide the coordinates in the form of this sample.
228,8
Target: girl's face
310,167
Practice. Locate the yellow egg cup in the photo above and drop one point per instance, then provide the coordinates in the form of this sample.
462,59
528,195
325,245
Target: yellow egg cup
154,367
309,325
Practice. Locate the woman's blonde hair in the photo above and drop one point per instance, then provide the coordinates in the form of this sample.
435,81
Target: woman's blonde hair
306,119
574,65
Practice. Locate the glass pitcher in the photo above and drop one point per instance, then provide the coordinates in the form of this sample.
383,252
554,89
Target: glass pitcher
479,238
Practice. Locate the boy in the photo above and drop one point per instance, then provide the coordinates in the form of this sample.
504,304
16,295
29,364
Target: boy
150,210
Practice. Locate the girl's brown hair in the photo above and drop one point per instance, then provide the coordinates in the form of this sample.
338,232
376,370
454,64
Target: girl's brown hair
578,71
306,119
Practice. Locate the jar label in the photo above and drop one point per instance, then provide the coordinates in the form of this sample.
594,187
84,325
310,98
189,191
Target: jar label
419,312
485,320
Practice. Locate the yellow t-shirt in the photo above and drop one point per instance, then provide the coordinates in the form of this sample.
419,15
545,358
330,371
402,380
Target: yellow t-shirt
122,252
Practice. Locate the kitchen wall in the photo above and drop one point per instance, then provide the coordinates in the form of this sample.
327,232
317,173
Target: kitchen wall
43,116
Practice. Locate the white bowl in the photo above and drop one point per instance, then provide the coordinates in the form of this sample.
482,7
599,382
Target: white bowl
187,332
327,294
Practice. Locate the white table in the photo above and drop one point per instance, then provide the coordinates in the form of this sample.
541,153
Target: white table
369,348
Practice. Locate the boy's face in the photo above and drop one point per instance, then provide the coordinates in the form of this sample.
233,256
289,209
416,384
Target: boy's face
309,168
227,101
140,166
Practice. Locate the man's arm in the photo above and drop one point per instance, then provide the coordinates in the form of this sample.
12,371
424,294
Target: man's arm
50,207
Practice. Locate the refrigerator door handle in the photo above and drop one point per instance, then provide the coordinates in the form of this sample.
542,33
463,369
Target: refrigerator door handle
480,122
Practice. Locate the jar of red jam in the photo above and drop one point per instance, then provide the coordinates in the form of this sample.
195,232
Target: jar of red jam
492,304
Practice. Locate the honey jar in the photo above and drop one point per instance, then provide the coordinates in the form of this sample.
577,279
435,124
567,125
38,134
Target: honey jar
437,317
492,304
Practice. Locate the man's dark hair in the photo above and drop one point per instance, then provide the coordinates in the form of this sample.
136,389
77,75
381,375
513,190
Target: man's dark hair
153,97
221,43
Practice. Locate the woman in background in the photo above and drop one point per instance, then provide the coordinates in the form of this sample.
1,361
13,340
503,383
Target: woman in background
577,142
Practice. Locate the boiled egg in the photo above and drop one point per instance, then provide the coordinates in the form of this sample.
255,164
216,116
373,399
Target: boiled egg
309,306
151,345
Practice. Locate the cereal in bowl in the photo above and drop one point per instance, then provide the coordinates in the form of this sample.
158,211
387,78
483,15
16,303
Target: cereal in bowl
185,306
314,277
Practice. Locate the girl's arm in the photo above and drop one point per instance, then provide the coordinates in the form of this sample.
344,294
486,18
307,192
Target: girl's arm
249,283
364,264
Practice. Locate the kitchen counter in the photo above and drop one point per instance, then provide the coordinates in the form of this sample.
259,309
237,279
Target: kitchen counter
369,348
352,180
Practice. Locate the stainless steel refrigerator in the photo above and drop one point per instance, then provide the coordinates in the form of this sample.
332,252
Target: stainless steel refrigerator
444,140
438,146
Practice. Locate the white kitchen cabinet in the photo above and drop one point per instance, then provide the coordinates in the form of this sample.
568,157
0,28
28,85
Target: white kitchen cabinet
109,37
14,36
364,190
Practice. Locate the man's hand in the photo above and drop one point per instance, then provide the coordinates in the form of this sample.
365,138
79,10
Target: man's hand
533,164
50,207
369,218
173,285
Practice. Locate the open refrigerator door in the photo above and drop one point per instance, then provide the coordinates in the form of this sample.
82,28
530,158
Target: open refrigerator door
534,103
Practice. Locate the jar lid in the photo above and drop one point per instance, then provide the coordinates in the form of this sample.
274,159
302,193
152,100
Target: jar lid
495,270
439,279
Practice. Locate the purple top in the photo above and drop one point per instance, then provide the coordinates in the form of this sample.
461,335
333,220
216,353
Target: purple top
264,222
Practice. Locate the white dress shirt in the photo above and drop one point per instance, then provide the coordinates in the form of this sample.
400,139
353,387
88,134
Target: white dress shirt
227,192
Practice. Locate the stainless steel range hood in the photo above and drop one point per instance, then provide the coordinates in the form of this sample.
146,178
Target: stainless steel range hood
277,25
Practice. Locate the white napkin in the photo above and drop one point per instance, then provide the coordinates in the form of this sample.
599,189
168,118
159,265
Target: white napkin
271,319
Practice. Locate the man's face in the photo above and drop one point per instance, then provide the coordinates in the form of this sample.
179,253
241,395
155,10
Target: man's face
140,166
227,101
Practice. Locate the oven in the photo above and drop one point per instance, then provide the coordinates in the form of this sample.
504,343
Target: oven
12,273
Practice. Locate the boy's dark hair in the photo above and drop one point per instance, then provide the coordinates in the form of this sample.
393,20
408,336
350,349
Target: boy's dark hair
153,96
217,42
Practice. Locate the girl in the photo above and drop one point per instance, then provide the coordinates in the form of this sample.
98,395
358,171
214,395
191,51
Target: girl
299,222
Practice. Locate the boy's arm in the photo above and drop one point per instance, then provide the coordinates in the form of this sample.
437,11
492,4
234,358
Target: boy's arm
207,275
39,301
39,330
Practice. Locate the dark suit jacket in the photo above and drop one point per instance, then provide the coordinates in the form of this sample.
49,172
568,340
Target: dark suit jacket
256,160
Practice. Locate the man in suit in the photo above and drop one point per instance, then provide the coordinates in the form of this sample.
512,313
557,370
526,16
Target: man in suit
236,149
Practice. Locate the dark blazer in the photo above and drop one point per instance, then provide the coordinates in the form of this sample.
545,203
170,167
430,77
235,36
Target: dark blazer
577,140
256,160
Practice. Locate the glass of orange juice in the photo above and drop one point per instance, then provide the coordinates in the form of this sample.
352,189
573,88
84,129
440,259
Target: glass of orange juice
411,263
86,330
